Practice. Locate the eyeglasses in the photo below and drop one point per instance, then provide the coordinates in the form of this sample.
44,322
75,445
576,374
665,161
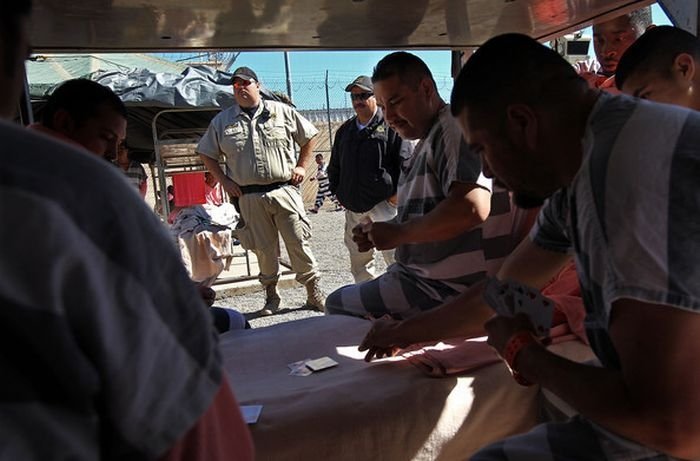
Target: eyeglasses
123,146
360,96
240,83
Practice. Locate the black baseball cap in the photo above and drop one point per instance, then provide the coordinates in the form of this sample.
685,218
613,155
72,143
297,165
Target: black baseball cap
245,73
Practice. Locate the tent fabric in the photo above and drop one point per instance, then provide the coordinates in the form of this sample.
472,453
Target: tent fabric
46,70
145,94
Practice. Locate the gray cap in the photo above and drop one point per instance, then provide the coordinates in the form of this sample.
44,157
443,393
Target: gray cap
363,82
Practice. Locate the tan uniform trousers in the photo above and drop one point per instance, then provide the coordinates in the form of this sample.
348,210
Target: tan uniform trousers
362,264
267,214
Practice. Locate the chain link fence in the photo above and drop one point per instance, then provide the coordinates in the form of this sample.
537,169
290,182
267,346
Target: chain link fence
322,100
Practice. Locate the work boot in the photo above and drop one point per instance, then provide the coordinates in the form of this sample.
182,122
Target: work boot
272,300
315,298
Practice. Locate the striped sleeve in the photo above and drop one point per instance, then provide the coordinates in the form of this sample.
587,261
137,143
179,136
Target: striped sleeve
650,207
454,160
549,231
110,337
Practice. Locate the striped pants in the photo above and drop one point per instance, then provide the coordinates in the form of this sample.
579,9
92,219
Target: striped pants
398,292
324,190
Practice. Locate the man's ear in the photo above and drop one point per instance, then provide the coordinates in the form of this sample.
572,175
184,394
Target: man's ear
684,67
63,122
426,87
522,125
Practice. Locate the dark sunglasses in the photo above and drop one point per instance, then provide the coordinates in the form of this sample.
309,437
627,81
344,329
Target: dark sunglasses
241,83
360,96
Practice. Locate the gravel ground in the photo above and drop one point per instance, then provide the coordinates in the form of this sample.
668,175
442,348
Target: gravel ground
332,256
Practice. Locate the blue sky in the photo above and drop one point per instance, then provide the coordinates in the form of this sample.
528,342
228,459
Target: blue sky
308,69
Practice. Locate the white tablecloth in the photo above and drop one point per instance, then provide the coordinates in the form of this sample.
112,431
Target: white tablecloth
384,410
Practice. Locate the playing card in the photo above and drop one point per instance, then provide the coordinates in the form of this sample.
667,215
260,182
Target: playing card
251,413
299,368
530,301
495,296
321,364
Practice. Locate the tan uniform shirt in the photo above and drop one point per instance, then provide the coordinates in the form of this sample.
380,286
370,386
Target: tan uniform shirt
258,150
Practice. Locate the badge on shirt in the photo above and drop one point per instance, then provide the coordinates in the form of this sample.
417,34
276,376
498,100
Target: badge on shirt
230,130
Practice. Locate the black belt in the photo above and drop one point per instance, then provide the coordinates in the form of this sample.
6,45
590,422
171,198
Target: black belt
262,188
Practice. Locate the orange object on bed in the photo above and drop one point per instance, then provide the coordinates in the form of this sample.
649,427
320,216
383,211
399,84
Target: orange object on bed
189,189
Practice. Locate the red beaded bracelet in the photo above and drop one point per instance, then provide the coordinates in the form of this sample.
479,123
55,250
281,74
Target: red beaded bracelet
515,344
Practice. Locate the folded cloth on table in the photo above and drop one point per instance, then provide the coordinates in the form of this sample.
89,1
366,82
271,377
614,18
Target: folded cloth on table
460,355
451,357
565,291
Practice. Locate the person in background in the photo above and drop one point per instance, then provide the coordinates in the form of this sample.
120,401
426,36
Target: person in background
610,41
257,137
212,190
441,230
134,171
323,186
107,351
364,172
663,66
87,114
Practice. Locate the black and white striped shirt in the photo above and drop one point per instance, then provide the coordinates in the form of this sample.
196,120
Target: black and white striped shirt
106,346
632,214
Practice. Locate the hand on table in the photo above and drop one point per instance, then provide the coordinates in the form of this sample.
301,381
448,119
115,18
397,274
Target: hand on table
383,339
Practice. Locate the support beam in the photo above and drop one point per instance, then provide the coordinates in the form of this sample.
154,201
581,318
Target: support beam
683,13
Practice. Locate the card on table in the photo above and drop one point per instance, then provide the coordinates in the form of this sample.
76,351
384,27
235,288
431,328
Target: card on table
321,364
251,413
299,368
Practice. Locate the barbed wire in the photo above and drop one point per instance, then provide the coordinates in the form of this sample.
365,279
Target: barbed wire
309,93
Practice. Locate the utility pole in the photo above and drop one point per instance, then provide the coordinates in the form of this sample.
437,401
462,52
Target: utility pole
289,75
328,113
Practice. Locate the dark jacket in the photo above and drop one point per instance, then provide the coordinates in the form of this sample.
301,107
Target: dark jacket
365,164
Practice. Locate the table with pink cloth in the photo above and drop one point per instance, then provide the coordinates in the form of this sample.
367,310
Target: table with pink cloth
384,410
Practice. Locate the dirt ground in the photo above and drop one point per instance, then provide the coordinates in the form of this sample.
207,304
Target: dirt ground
332,256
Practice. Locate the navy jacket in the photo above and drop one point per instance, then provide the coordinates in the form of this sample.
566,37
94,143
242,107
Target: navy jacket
365,164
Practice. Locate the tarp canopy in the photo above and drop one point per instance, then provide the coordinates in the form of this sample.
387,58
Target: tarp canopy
44,71
146,93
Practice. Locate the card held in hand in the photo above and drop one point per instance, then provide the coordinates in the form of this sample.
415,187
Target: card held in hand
494,295
530,301
508,298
